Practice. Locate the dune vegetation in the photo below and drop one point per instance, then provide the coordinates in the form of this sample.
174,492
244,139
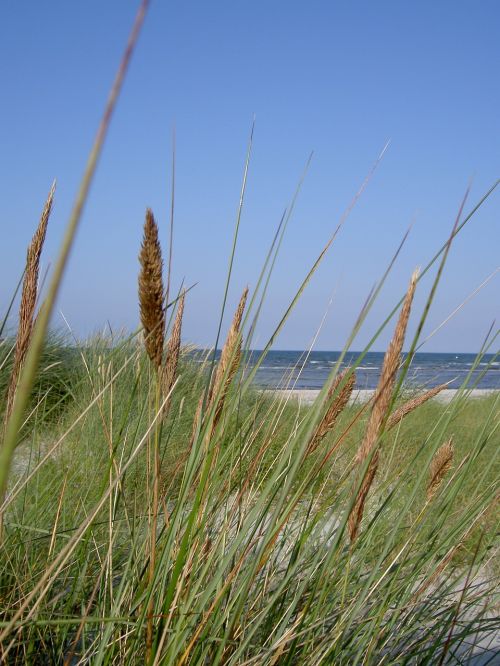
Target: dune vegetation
156,508
159,508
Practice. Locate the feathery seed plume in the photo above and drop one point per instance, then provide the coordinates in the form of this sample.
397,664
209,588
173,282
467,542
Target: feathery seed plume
28,299
229,361
173,351
381,403
335,408
151,292
356,514
439,467
383,393
405,409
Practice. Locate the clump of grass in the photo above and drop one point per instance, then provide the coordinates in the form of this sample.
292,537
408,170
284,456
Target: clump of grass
71,494
252,551
152,311
215,525
56,382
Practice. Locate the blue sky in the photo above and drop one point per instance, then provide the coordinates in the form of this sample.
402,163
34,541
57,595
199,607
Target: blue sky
339,78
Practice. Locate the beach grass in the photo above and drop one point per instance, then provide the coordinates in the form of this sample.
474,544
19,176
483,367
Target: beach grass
66,465
158,510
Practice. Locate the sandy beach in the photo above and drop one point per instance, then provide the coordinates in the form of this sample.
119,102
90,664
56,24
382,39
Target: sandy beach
308,396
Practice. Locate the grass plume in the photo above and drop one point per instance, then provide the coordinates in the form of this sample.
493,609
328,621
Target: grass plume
381,403
439,467
399,414
28,299
152,311
229,360
151,292
337,401
173,350
356,515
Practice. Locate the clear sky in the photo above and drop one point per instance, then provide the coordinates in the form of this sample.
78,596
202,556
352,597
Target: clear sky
339,78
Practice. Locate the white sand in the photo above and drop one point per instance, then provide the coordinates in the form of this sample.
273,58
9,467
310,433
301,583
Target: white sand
308,396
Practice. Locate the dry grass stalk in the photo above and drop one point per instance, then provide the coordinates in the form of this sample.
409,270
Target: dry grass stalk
173,350
151,292
405,409
383,393
224,374
381,404
440,466
28,300
356,514
229,361
337,403
151,302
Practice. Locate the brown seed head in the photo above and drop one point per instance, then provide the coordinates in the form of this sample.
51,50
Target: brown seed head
151,291
28,298
412,404
356,515
337,402
439,467
381,403
229,360
173,351
383,393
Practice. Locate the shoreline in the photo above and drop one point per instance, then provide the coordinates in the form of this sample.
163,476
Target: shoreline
361,396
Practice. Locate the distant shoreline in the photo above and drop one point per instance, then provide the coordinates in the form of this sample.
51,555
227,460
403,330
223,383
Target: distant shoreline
308,396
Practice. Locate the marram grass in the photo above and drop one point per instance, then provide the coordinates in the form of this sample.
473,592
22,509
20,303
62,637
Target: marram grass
168,513
232,545
27,308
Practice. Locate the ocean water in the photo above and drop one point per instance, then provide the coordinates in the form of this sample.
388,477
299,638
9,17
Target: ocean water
282,368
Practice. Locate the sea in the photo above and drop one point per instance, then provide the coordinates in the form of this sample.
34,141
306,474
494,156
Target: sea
310,371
